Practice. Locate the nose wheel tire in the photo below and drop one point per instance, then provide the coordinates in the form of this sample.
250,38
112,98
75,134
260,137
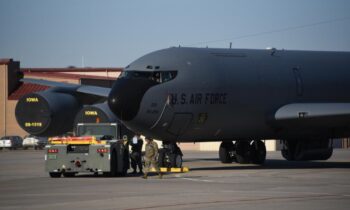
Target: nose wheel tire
178,161
175,161
170,156
224,152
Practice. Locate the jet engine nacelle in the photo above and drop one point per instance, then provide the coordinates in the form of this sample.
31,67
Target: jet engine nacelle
47,113
96,113
101,113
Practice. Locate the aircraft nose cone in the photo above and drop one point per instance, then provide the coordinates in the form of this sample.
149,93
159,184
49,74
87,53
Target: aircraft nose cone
126,95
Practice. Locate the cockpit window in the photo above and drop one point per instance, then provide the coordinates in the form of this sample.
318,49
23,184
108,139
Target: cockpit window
157,76
168,75
135,74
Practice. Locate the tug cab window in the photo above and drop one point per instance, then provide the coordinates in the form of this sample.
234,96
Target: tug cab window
157,76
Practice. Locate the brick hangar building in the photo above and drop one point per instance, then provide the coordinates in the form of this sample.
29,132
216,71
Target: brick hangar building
11,89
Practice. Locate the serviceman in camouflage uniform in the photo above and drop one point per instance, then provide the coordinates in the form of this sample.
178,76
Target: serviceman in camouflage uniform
151,155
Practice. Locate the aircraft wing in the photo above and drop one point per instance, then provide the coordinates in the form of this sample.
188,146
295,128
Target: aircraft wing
49,83
87,89
94,90
327,114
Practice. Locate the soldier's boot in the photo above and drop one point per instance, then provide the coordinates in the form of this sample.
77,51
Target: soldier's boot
144,176
160,175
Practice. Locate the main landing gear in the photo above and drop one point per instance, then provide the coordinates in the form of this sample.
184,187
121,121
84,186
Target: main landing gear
307,149
170,156
243,152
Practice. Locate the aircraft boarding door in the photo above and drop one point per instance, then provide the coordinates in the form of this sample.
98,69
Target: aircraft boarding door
180,123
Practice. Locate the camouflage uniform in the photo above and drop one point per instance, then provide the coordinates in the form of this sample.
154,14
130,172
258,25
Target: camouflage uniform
151,155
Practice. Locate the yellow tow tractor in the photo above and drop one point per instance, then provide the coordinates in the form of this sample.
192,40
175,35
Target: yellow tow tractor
98,148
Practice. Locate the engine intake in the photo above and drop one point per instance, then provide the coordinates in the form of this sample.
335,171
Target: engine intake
96,113
100,113
47,113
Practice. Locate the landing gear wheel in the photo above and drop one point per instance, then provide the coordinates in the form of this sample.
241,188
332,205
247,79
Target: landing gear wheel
257,152
303,148
55,175
224,152
170,156
288,150
327,155
299,151
176,161
242,152
161,158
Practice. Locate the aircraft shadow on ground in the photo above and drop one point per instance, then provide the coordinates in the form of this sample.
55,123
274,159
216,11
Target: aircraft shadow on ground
200,159
277,164
269,164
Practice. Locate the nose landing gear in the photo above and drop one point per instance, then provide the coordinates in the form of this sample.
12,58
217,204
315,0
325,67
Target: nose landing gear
243,152
170,156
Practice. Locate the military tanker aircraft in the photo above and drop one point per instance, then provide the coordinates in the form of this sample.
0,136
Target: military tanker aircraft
237,96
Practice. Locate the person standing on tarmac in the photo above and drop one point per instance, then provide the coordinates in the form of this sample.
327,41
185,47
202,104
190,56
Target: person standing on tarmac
151,155
136,153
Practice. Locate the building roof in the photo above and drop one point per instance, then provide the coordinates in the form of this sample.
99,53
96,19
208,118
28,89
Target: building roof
65,75
73,69
5,61
26,88
62,73
73,73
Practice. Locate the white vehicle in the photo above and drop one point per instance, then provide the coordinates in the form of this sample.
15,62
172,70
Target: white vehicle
35,142
10,142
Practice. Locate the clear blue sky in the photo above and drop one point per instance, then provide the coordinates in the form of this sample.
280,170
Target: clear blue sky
113,33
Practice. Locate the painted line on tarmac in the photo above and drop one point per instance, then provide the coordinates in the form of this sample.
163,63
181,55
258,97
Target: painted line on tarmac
193,179
197,180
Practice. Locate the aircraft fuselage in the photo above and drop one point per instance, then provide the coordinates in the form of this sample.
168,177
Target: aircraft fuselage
192,94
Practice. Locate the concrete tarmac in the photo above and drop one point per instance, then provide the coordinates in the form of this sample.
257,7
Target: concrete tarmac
278,184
